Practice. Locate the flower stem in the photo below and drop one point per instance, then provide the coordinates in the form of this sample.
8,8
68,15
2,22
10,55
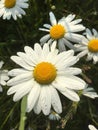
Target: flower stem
23,113
70,113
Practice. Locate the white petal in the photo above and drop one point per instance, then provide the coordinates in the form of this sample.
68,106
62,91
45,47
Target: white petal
21,11
37,106
45,38
3,76
61,45
71,95
74,82
74,37
77,28
76,21
89,34
22,5
63,56
95,33
55,100
22,91
44,29
71,71
20,78
95,59
28,50
50,41
21,62
83,53
69,44
38,49
70,82
92,95
53,46
91,127
45,52
18,71
47,26
33,97
15,88
45,96
67,59
70,17
33,56
80,47
25,58
89,56
52,19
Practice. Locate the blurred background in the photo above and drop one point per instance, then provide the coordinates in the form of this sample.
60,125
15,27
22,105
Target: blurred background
14,35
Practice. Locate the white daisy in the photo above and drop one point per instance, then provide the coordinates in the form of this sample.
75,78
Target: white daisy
54,116
12,8
43,72
3,76
89,46
89,92
63,32
91,127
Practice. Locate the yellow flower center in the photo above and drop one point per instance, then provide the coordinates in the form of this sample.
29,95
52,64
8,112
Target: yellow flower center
9,3
93,45
57,31
44,73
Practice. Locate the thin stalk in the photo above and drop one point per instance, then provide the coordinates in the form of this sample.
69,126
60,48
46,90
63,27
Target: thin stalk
23,113
69,114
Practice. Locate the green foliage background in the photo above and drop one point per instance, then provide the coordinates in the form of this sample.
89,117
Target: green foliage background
14,35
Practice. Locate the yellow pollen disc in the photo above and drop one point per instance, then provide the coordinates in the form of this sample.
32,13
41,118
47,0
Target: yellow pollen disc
93,45
57,31
9,3
44,73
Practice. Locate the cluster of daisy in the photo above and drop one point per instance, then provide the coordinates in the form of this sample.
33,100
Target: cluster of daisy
48,68
66,32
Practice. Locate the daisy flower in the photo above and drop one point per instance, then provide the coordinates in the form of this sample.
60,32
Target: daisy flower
43,72
54,116
63,32
91,127
89,46
89,92
3,76
12,8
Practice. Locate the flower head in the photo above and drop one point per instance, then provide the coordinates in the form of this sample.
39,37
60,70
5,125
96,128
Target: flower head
89,46
12,8
3,76
91,127
43,72
63,32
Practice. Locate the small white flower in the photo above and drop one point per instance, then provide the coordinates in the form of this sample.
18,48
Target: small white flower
63,32
3,76
54,116
43,72
91,127
89,92
12,8
89,46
